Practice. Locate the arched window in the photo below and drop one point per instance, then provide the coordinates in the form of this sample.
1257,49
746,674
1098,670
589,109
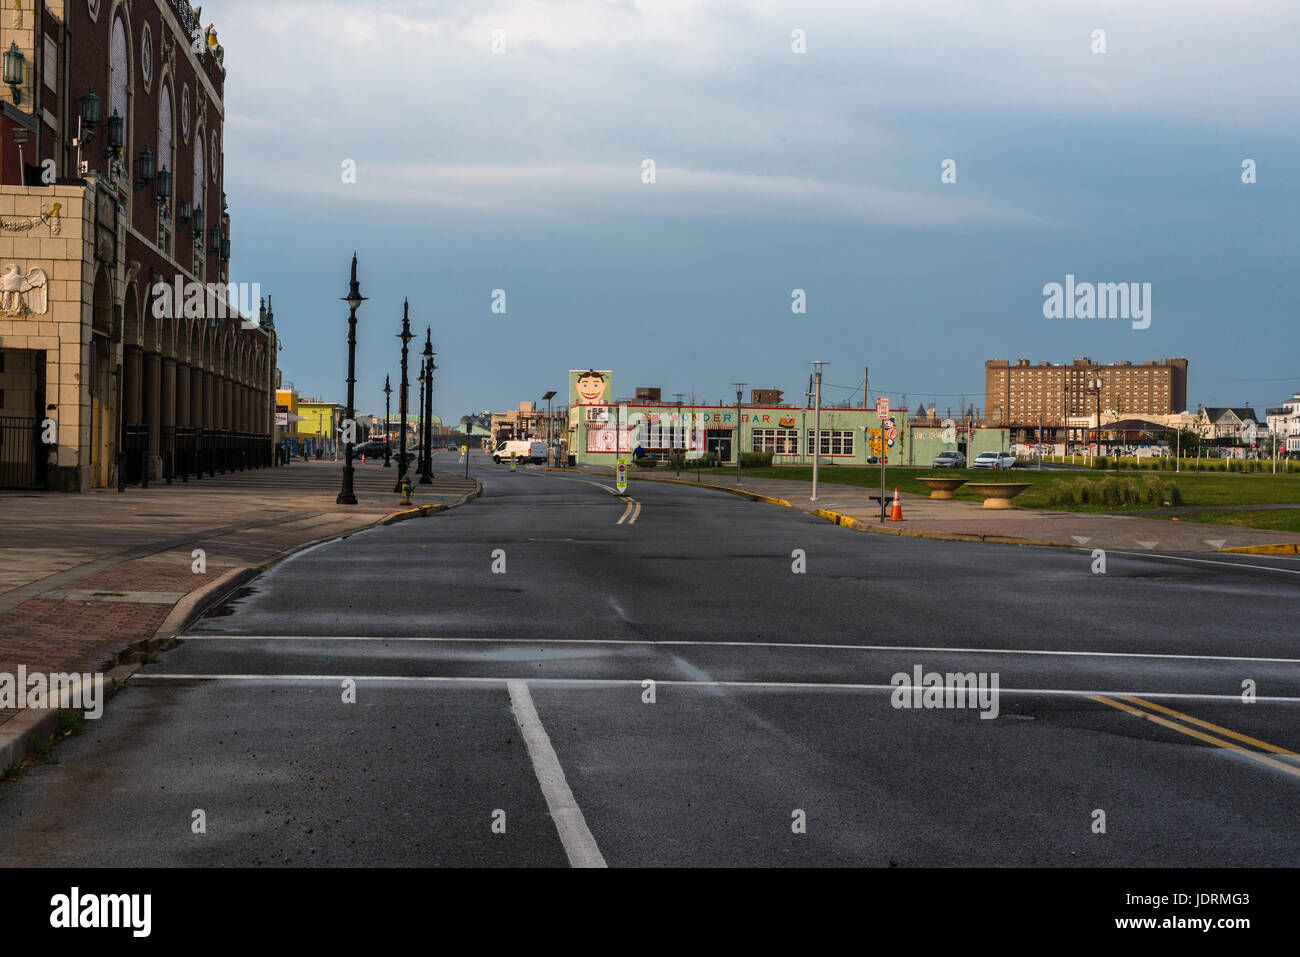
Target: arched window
165,153
199,177
119,80
166,158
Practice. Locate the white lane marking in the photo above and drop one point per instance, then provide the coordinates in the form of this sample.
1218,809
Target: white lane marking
742,644
1206,561
576,837
782,685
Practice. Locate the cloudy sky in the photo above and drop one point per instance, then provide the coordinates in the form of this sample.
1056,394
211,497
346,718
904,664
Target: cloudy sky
522,170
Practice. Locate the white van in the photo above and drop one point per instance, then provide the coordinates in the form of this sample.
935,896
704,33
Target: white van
525,451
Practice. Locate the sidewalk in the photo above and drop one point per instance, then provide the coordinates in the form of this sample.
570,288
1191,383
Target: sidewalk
956,520
93,580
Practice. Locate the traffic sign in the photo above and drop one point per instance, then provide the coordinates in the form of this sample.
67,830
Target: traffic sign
882,407
621,479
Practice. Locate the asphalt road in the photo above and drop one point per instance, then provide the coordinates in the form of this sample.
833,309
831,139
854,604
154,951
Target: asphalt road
518,697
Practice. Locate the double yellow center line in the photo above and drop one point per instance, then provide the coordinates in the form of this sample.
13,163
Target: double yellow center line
1177,721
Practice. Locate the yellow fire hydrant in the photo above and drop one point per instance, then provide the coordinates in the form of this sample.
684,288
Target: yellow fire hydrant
406,489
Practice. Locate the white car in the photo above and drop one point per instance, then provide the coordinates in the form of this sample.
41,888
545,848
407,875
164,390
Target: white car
525,451
991,460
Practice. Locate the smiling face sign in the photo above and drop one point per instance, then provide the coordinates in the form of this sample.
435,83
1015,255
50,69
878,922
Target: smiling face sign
589,386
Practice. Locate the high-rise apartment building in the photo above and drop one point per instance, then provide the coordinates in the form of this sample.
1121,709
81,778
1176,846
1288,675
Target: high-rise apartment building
1017,394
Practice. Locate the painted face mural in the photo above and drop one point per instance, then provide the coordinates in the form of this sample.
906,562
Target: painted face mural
590,386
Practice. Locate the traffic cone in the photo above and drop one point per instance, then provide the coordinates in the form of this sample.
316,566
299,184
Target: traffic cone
896,513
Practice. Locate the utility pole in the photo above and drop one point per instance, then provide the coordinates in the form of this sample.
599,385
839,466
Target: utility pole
740,388
679,433
817,421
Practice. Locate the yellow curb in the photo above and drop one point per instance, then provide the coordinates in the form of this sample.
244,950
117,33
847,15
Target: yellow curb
1284,548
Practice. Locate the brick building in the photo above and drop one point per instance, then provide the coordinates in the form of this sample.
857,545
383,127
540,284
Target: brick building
111,188
1017,394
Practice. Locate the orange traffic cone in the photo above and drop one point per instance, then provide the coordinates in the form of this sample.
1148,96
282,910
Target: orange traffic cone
896,513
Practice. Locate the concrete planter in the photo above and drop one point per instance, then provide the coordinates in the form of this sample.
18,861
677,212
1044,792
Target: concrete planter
999,494
942,487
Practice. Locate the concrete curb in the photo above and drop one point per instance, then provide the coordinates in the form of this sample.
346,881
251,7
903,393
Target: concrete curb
863,526
1283,548
18,732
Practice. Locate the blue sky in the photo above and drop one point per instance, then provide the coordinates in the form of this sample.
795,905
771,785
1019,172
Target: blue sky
820,171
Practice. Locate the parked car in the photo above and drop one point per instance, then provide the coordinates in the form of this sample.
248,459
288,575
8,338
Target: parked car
949,460
371,450
525,451
990,460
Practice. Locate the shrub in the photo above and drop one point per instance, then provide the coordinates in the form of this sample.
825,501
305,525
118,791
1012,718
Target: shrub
706,461
1103,461
755,460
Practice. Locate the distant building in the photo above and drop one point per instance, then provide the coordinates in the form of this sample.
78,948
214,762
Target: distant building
1228,422
765,396
1017,395
1284,422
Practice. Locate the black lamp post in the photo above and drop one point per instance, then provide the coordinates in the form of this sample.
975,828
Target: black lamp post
426,477
388,445
402,394
353,299
419,426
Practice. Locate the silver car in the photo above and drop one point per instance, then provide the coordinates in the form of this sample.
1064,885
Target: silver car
949,460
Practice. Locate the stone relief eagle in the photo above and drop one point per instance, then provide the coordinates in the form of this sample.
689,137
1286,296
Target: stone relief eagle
19,293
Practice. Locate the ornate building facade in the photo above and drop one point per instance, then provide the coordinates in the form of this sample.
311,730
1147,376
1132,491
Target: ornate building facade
120,360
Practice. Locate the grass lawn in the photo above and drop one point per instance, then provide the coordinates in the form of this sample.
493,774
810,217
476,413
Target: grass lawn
1199,488
1273,519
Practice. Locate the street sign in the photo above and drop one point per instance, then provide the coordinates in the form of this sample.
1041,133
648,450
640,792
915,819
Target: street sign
512,461
882,407
620,481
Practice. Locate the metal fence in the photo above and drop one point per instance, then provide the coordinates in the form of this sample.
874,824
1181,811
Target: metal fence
190,453
22,457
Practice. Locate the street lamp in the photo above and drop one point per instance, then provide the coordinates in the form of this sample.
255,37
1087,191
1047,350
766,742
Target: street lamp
353,299
13,70
388,445
740,387
1094,386
419,424
403,394
550,425
116,136
144,169
426,477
